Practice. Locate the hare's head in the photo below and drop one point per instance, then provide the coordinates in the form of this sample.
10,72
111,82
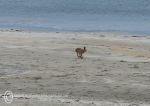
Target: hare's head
84,49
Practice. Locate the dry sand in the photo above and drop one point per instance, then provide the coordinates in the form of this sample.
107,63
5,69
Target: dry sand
41,69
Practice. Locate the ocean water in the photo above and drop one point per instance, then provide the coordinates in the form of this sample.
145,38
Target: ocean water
131,16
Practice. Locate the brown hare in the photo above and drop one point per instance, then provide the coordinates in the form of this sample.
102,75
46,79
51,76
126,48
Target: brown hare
80,51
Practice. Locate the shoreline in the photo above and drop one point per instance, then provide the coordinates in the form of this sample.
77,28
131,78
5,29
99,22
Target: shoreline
125,33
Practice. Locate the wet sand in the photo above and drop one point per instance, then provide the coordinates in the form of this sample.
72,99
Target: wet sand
41,69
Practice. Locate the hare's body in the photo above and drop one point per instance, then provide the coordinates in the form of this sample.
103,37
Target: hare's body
80,51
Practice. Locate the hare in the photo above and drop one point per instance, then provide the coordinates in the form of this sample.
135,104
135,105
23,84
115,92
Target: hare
80,51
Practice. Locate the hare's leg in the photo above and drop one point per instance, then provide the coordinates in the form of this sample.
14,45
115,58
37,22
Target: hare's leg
81,56
78,54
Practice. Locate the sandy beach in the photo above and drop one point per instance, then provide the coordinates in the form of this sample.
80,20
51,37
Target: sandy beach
42,69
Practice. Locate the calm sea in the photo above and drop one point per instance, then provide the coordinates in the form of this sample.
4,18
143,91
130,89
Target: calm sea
76,15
